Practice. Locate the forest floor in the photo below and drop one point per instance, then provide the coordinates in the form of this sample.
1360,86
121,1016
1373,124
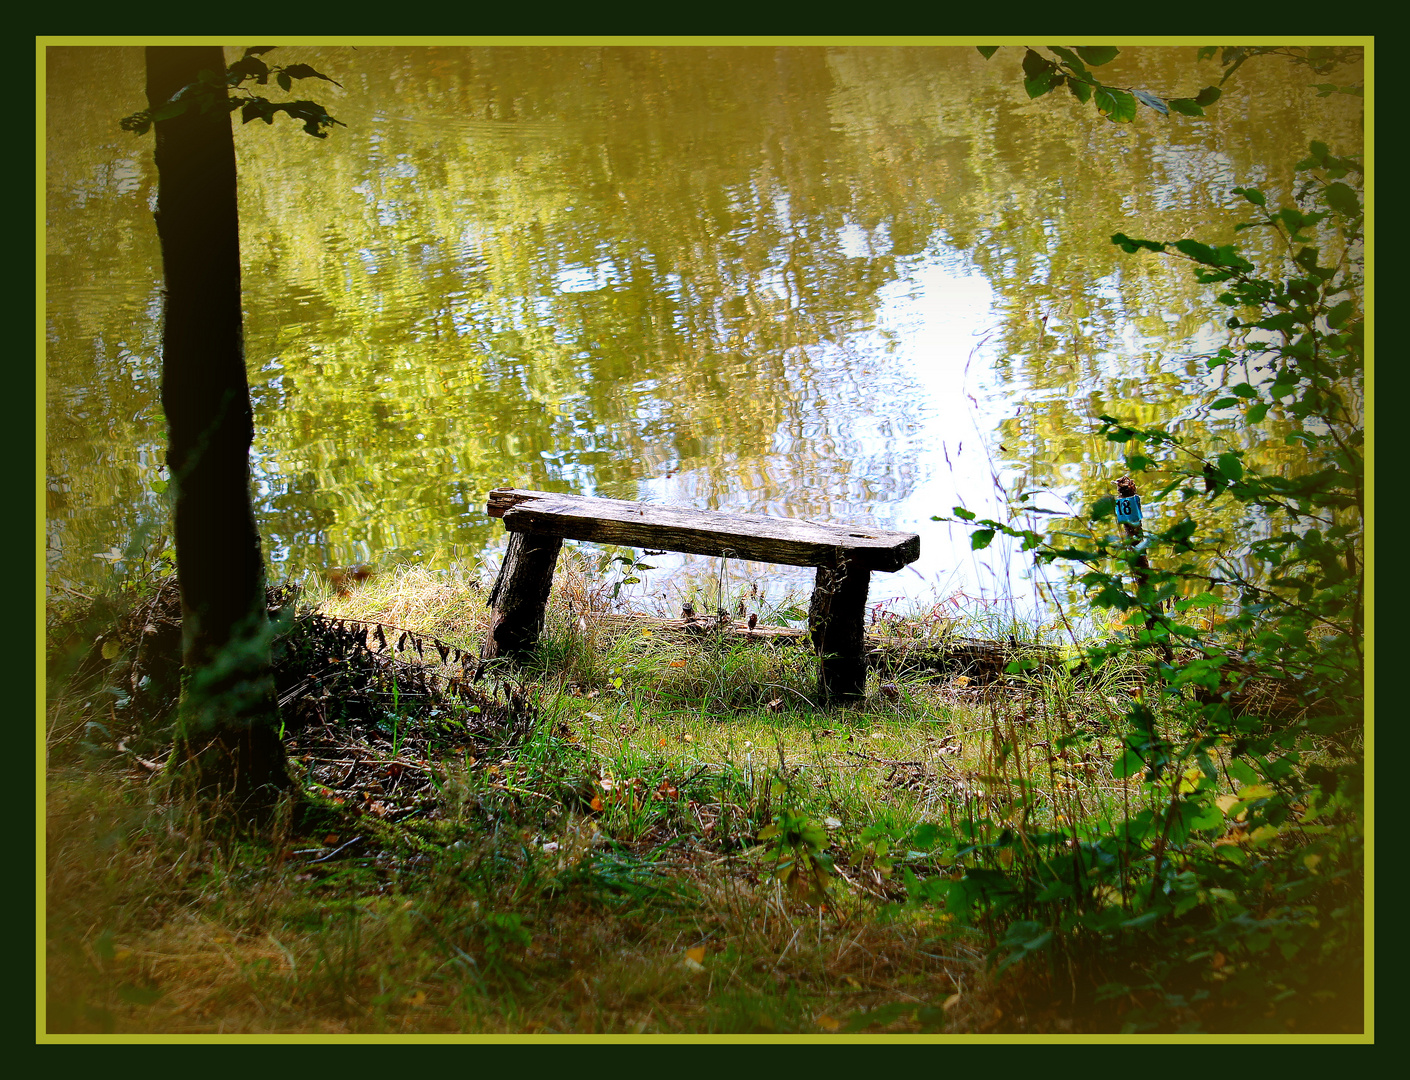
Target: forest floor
653,829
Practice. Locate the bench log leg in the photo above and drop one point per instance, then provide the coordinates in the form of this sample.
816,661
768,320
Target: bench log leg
836,617
520,596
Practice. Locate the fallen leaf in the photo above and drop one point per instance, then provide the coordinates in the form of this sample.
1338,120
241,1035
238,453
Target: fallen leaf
596,802
677,663
697,954
417,999
951,1002
827,1023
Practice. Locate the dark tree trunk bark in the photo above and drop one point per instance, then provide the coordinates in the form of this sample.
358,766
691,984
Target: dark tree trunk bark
227,738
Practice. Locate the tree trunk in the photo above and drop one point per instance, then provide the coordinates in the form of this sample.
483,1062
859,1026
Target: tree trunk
227,741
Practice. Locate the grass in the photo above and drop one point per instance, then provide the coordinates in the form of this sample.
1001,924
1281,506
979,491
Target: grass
596,869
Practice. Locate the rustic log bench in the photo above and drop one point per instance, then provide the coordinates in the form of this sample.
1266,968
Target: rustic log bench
539,522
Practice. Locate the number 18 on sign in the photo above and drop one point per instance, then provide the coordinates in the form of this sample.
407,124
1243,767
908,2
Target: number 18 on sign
1128,509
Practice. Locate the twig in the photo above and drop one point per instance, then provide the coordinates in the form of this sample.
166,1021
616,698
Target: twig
335,851
882,761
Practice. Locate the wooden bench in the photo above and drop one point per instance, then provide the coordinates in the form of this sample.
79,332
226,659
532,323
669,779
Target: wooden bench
539,522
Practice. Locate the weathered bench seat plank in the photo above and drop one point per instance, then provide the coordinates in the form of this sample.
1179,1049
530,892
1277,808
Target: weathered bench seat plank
702,532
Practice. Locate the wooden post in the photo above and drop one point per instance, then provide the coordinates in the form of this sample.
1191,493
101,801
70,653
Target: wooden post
519,598
836,617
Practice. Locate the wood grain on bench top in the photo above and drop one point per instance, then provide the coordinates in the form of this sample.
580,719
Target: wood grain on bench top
701,532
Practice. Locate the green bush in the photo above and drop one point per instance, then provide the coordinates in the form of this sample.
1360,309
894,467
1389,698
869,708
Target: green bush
1227,889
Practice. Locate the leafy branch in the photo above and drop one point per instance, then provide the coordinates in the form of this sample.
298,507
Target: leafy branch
1071,67
1322,59
1042,75
212,90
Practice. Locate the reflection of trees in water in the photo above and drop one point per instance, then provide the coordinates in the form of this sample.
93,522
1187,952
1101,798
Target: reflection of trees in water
588,268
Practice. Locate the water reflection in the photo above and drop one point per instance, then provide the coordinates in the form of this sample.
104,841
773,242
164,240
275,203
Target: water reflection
857,285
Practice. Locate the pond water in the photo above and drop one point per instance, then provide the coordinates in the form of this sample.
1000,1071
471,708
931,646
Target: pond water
849,284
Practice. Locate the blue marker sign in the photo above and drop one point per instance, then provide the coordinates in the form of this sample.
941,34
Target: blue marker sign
1129,509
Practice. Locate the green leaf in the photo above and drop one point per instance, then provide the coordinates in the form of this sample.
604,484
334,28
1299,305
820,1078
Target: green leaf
1132,245
1257,413
1341,198
1186,106
980,539
171,109
963,514
1152,102
1128,764
1203,600
1035,65
1197,251
1225,403
1082,91
1039,85
1242,772
1338,316
987,51
1073,61
1208,96
1230,466
1116,105
303,71
248,67
1097,55
1253,195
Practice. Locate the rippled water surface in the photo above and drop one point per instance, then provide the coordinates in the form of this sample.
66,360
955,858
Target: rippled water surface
858,285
